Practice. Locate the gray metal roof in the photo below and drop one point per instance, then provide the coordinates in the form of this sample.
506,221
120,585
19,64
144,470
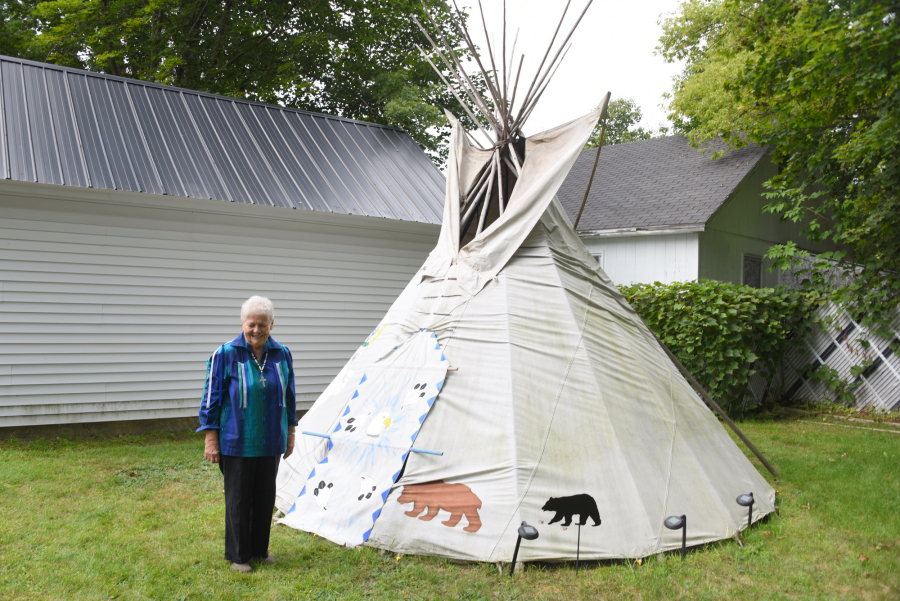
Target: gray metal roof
78,128
652,183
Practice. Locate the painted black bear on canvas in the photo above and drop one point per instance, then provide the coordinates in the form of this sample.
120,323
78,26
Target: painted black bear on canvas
566,507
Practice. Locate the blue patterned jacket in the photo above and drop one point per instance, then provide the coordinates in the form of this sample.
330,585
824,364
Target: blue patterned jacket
251,416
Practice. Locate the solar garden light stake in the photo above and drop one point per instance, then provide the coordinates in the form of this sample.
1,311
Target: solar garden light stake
674,522
528,533
747,501
578,548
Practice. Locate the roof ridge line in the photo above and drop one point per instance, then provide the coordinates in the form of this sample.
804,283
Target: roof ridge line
87,72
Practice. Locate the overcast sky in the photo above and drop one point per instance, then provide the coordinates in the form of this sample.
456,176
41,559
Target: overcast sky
612,50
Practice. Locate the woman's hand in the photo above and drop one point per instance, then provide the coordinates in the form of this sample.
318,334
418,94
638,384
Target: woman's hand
290,444
211,452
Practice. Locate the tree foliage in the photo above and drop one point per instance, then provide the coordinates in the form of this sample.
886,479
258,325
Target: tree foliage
819,82
355,58
621,125
17,28
723,333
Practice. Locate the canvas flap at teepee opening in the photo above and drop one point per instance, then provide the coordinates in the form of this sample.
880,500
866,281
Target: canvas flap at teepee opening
549,157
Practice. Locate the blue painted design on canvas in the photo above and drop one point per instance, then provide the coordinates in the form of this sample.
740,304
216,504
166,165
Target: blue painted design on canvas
371,442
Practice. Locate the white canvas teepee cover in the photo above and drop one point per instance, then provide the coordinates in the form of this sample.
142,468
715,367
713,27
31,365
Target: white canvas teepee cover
564,408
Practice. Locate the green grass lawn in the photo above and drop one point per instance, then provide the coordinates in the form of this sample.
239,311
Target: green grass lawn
141,518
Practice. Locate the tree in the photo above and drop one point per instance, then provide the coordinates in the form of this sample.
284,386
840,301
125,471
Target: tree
621,124
819,82
355,58
17,28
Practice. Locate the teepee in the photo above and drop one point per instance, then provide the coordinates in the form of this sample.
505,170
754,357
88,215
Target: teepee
511,382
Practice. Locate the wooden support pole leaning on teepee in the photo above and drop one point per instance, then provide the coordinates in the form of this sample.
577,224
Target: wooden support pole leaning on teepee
603,117
715,406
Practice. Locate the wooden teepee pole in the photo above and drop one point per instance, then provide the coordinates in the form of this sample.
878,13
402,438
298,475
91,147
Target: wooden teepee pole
495,86
453,91
458,70
470,194
460,24
604,115
546,54
486,205
515,86
541,78
526,112
501,200
505,95
715,406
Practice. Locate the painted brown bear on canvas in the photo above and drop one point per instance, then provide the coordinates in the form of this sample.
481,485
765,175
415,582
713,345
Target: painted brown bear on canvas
566,507
456,498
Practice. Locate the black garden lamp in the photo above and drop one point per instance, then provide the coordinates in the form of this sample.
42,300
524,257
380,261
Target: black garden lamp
674,522
528,533
747,501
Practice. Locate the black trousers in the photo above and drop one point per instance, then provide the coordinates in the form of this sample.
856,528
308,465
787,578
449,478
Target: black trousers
249,500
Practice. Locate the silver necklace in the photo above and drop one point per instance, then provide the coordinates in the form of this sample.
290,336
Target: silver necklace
262,378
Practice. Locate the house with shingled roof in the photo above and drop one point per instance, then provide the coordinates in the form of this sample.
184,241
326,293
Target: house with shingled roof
660,211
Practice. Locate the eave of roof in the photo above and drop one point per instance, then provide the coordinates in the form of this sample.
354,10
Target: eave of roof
657,230
78,128
653,186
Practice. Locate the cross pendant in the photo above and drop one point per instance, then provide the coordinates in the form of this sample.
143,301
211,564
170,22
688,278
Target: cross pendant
262,379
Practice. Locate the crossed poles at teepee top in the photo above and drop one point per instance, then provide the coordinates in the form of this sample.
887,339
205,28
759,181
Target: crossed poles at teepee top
499,119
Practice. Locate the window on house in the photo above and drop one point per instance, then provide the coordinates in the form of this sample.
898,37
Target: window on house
599,258
752,271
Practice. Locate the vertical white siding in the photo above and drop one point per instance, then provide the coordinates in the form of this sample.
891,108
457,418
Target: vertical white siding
664,258
109,307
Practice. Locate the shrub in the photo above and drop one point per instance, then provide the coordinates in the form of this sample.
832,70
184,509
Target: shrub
723,333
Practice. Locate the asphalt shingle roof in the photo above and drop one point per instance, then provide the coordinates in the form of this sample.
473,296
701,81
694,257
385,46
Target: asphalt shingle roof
653,183
77,128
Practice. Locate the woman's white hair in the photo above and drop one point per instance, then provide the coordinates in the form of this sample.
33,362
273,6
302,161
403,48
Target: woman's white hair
257,305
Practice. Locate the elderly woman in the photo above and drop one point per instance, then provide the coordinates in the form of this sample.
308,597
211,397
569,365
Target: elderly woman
249,414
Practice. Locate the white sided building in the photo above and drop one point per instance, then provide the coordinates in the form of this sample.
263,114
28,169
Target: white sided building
135,218
660,211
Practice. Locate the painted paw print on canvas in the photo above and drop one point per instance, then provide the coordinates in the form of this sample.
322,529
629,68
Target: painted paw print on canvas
323,493
415,395
354,422
366,488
